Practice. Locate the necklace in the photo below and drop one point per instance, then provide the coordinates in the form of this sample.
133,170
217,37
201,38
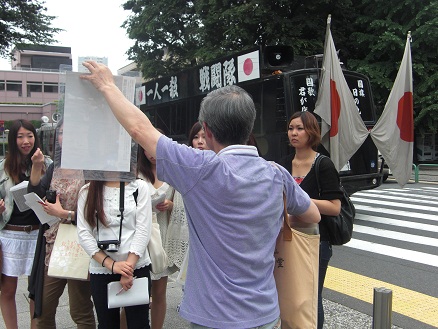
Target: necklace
297,163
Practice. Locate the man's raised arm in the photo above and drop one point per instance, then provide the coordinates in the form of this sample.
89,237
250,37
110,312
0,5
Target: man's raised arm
136,123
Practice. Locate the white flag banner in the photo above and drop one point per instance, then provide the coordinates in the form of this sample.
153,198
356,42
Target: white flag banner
248,66
342,128
140,95
393,134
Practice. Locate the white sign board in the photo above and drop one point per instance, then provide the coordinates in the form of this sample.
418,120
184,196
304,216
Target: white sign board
93,139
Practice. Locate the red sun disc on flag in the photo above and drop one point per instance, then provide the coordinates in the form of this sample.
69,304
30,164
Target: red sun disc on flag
140,95
248,66
335,108
405,117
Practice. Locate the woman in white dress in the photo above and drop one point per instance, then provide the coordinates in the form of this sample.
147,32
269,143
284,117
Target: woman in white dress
146,170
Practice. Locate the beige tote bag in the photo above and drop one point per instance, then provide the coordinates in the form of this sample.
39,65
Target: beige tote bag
296,275
68,259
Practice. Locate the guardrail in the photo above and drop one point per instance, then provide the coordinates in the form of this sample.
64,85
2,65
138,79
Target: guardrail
422,165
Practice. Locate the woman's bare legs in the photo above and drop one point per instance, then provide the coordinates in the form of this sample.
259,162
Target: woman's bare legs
159,304
7,301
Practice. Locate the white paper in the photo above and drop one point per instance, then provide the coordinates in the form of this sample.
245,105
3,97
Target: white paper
93,139
32,200
137,295
157,199
18,191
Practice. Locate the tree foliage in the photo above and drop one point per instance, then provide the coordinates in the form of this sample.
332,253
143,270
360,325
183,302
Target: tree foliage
24,21
173,34
166,34
377,48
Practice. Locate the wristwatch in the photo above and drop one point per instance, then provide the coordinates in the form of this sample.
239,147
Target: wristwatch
69,215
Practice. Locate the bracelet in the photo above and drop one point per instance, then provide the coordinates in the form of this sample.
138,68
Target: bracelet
112,267
104,261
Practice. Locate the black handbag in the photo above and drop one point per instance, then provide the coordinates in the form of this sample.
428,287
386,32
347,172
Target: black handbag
340,227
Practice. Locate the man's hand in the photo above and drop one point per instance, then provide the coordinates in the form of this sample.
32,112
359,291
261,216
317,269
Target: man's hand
100,75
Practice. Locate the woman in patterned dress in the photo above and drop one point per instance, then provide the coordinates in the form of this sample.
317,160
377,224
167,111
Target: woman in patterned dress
45,290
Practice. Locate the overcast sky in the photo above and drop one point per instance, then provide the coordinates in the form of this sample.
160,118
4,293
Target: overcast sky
92,28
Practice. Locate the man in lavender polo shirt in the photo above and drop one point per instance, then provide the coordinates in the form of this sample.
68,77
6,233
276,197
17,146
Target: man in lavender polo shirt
234,206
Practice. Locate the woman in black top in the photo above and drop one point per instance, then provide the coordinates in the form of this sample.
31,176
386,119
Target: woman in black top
304,135
18,228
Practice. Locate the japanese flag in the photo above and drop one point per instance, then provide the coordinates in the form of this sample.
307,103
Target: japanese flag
342,128
393,134
248,66
140,96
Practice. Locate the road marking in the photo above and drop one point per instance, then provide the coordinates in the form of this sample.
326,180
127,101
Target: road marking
397,222
415,195
399,253
402,213
407,302
418,239
373,195
396,204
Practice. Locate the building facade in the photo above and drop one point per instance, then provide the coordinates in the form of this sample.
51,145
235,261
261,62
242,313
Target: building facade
30,89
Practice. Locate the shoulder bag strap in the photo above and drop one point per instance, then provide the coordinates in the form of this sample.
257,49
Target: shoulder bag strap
287,230
121,208
317,162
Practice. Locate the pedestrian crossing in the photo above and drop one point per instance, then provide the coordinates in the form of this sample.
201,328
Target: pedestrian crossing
391,215
401,224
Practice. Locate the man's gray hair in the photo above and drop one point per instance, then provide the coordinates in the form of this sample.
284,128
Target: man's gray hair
229,112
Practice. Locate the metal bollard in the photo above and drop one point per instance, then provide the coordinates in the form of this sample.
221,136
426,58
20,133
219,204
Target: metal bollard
382,309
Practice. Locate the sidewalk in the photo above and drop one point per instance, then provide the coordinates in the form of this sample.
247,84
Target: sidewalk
336,316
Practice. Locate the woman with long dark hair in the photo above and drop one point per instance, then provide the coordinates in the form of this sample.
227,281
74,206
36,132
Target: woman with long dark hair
18,229
46,290
100,219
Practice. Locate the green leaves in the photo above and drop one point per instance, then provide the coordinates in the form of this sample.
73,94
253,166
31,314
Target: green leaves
24,21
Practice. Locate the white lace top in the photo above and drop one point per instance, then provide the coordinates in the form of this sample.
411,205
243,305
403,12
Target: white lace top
177,233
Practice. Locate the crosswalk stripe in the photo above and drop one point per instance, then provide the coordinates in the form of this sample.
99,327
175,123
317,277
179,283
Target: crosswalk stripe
396,235
397,222
398,204
413,195
371,195
401,213
430,188
400,253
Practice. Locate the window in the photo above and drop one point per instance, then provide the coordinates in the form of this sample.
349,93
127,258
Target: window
34,87
2,85
50,87
14,86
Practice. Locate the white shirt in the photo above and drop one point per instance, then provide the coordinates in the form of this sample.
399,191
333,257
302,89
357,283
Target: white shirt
136,228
